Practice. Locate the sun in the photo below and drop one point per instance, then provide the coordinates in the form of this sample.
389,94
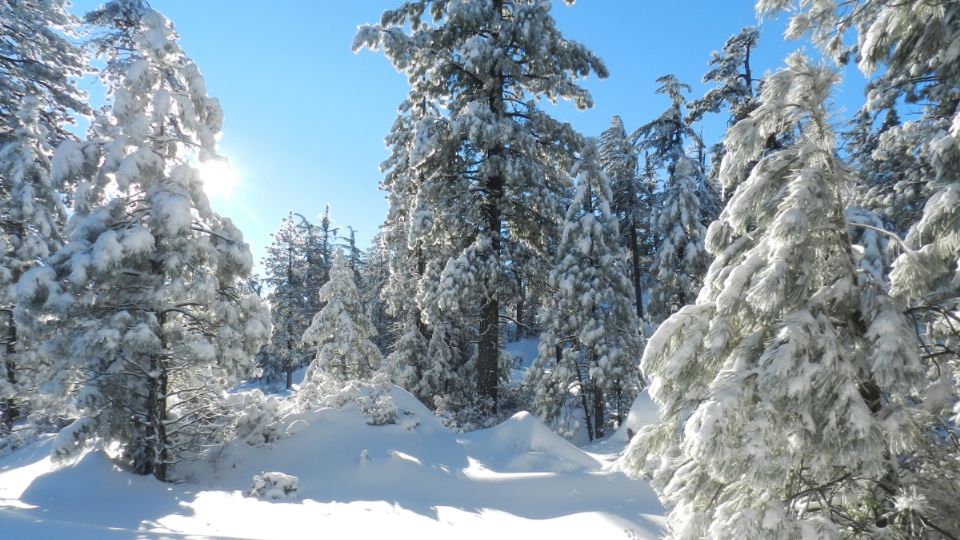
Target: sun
219,179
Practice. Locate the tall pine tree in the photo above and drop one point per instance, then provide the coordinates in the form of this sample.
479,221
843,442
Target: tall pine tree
153,323
341,330
591,338
679,258
487,63
790,383
38,98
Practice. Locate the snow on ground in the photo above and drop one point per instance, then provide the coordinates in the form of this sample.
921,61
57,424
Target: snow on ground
412,479
524,352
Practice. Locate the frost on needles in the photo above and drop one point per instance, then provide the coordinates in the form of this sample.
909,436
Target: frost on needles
790,392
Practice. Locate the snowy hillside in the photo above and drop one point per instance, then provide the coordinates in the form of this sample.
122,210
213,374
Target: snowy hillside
411,479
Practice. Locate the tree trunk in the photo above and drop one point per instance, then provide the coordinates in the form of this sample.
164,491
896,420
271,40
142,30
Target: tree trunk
488,348
583,398
10,410
635,256
521,304
163,455
598,412
288,361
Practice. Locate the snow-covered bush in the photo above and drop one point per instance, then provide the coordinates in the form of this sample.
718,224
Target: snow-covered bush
259,416
274,486
468,415
371,397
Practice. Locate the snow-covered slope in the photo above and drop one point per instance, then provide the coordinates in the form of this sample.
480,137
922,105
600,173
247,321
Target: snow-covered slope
412,479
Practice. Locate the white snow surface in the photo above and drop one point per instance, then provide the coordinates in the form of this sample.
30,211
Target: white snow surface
414,479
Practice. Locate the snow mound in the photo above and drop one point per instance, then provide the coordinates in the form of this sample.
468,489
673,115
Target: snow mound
413,478
274,486
643,412
525,444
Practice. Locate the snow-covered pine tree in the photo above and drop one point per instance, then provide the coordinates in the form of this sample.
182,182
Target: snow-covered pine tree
790,389
732,77
679,260
733,90
341,331
911,171
152,324
406,258
487,63
320,247
286,265
407,361
632,200
589,320
37,100
32,215
375,275
352,253
40,61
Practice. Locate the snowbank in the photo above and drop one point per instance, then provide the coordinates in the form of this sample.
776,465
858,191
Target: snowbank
412,478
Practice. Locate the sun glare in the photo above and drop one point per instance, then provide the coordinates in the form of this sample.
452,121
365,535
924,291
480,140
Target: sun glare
219,179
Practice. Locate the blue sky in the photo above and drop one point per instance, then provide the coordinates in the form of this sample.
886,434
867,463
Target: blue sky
306,117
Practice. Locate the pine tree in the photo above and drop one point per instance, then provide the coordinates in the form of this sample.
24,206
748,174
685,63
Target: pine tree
33,216
733,80
632,200
375,275
286,266
679,259
733,90
39,62
590,330
910,170
153,324
408,359
37,101
341,331
791,377
487,64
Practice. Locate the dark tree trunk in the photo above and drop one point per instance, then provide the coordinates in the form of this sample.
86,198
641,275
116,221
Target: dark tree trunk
635,259
288,360
163,455
598,411
10,410
488,347
583,400
521,300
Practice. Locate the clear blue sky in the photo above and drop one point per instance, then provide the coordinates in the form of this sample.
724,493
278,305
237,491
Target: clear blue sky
306,117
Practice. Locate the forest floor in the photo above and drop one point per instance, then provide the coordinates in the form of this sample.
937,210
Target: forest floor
412,479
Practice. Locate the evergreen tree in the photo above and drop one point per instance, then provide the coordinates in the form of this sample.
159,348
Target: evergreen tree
408,359
341,331
733,90
910,170
32,216
679,260
590,329
632,200
486,64
791,377
39,62
733,80
147,288
375,275
286,266
37,101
